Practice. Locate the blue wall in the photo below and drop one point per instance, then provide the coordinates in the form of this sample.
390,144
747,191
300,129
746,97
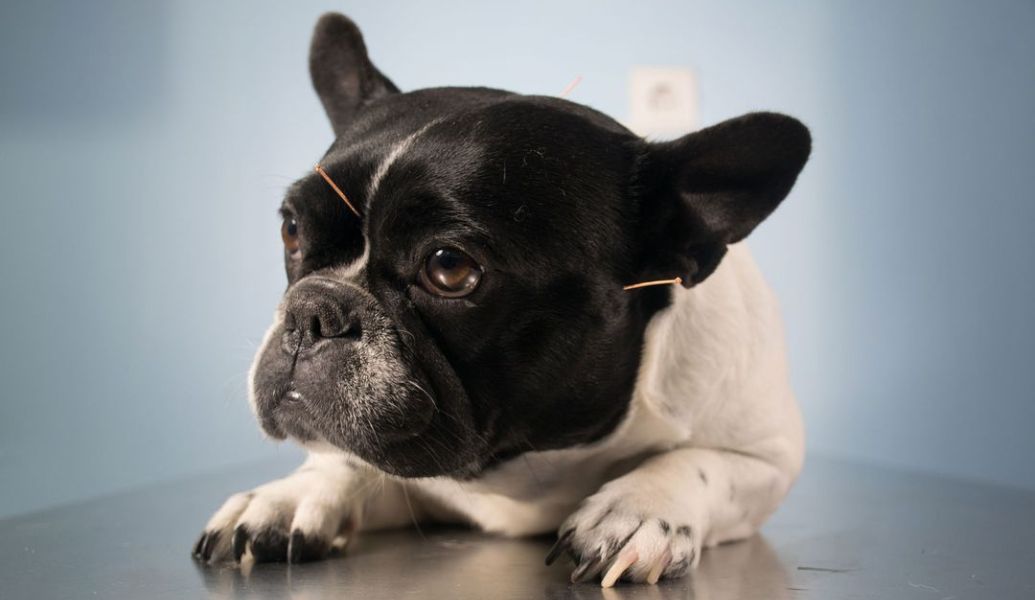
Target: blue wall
144,149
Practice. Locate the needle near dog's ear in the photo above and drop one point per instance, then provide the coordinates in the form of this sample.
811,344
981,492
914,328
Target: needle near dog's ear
571,86
319,169
635,286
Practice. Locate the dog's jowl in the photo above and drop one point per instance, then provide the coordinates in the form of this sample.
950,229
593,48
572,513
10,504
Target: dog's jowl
455,344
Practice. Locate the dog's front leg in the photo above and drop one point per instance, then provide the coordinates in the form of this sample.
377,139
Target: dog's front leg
300,517
653,521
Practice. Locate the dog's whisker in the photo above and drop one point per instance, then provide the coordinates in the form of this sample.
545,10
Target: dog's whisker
531,471
409,507
423,391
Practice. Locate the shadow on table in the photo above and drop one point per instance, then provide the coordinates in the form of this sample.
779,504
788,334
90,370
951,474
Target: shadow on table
461,564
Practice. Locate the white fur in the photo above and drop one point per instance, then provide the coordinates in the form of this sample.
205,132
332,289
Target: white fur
352,270
712,411
278,319
398,150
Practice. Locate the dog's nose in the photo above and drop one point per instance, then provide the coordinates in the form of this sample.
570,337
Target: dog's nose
317,309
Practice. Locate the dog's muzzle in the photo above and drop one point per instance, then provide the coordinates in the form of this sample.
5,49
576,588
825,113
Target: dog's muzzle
338,371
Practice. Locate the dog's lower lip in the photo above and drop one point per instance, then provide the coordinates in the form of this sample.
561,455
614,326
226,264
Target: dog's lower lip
272,429
287,421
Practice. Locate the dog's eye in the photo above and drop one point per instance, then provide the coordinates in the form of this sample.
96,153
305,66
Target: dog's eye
450,273
289,233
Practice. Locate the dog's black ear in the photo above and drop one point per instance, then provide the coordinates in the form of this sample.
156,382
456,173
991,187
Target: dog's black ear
342,73
711,188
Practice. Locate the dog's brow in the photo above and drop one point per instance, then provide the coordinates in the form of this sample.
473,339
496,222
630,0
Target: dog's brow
320,170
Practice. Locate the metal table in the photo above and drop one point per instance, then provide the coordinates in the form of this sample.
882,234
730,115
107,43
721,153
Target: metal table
846,531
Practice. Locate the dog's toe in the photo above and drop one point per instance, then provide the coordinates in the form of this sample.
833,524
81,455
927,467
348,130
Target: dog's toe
303,548
205,545
268,545
295,519
624,539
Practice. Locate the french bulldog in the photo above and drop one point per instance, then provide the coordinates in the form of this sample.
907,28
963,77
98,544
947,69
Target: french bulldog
456,343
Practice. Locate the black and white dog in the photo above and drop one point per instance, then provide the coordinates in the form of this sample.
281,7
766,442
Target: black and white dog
460,348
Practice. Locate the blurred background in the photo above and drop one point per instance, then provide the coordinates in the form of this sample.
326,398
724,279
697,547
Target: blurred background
144,149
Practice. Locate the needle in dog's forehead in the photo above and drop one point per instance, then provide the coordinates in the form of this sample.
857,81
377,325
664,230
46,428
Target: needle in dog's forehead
320,170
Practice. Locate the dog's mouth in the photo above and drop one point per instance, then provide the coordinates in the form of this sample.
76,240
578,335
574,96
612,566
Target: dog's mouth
288,418
396,425
302,417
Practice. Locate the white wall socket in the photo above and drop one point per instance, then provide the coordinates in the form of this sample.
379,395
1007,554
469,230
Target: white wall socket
663,101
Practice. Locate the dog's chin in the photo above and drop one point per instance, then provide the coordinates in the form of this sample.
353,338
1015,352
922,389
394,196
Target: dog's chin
414,458
288,421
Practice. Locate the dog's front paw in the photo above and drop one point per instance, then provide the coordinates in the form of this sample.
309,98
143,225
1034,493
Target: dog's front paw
628,535
295,519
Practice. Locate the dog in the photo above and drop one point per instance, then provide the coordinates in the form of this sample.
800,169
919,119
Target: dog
462,339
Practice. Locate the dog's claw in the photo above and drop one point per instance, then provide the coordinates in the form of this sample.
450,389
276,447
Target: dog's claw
659,567
295,547
269,545
559,546
240,542
209,545
624,561
198,545
302,548
587,570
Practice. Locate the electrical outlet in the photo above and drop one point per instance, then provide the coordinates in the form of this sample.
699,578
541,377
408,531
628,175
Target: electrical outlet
663,101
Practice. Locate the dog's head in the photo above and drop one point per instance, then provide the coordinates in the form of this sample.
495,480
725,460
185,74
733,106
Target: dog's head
473,310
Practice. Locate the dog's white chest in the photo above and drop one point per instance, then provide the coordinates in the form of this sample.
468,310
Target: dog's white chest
534,492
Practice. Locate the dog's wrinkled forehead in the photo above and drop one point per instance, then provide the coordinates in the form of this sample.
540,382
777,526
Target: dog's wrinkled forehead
533,167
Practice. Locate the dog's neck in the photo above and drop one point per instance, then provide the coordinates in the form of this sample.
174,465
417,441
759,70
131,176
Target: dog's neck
694,347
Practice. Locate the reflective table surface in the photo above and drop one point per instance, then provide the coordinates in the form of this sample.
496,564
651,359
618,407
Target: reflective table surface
846,531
